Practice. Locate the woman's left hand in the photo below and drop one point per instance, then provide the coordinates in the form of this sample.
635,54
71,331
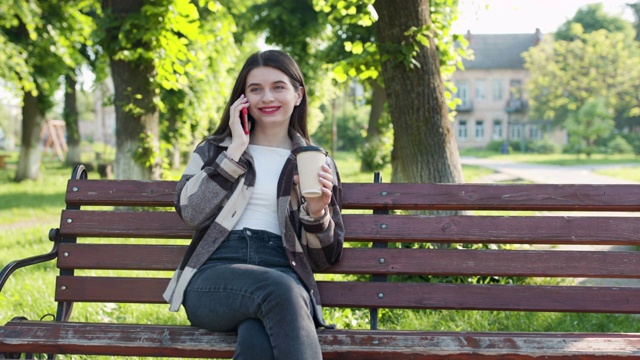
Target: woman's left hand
316,205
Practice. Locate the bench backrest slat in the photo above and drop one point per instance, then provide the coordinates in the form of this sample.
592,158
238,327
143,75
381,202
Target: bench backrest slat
389,294
493,229
120,193
390,228
482,297
526,263
493,197
124,224
611,197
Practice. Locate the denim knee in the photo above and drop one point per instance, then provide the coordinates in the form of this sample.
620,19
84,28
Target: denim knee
286,293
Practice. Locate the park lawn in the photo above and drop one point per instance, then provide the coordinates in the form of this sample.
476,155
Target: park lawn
628,172
29,209
555,159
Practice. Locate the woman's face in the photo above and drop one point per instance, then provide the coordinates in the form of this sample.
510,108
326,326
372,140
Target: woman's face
271,96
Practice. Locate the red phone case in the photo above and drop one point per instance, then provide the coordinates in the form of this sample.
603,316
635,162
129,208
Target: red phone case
245,121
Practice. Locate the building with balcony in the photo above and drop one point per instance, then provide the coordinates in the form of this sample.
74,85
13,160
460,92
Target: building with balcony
493,93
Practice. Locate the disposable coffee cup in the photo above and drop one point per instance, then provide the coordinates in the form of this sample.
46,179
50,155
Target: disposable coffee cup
310,161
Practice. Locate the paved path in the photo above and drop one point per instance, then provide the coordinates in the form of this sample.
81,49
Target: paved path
544,174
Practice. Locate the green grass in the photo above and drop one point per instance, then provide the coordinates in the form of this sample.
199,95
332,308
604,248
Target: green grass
349,167
555,159
628,173
30,208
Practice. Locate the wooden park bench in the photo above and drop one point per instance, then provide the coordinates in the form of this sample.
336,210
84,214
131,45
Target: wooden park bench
143,211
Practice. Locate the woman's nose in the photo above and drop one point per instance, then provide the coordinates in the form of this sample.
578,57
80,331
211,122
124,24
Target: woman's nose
267,96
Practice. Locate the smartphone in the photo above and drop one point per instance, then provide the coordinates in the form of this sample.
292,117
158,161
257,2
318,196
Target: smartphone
244,119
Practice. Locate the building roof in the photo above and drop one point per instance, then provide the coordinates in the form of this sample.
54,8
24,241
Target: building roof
499,51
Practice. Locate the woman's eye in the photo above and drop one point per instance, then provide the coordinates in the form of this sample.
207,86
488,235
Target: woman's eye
254,90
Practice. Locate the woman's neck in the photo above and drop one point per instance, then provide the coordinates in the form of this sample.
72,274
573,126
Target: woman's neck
277,139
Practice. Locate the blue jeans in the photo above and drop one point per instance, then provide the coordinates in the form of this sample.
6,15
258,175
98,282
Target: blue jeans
247,286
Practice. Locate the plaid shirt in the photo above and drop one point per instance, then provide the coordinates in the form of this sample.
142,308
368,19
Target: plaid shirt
212,194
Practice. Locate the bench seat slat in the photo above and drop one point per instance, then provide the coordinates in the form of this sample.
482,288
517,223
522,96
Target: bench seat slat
528,263
610,197
394,295
390,228
180,341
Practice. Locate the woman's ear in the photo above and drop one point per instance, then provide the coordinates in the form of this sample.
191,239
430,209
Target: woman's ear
300,95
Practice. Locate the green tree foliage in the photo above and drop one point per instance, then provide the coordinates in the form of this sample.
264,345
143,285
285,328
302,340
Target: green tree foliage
295,27
190,112
592,17
566,74
411,46
592,121
356,53
166,56
635,7
45,36
604,65
14,69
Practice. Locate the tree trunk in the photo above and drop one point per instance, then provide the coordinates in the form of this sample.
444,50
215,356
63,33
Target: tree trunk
425,149
172,131
30,150
378,99
70,115
137,135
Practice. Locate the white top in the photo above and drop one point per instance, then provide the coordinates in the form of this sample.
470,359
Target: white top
261,211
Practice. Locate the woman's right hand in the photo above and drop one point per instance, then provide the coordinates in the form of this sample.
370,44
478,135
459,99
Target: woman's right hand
239,140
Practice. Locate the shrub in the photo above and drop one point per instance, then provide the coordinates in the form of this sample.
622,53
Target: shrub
351,125
375,156
544,146
618,145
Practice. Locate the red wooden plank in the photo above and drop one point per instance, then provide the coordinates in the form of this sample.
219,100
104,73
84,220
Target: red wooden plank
120,256
115,339
492,197
124,224
185,341
525,263
406,228
494,229
610,197
388,295
120,193
482,297
518,263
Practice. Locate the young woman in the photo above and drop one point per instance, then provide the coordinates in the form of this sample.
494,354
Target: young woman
257,241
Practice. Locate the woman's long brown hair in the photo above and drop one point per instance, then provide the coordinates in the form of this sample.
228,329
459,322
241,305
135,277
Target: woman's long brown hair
279,60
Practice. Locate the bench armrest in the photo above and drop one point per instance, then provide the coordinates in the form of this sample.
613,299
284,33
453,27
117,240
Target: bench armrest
17,264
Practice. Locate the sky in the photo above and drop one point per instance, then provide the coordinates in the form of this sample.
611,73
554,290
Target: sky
524,16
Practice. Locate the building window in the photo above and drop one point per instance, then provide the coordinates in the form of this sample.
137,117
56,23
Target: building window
516,131
463,93
479,129
497,129
462,130
497,90
480,89
515,89
535,133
